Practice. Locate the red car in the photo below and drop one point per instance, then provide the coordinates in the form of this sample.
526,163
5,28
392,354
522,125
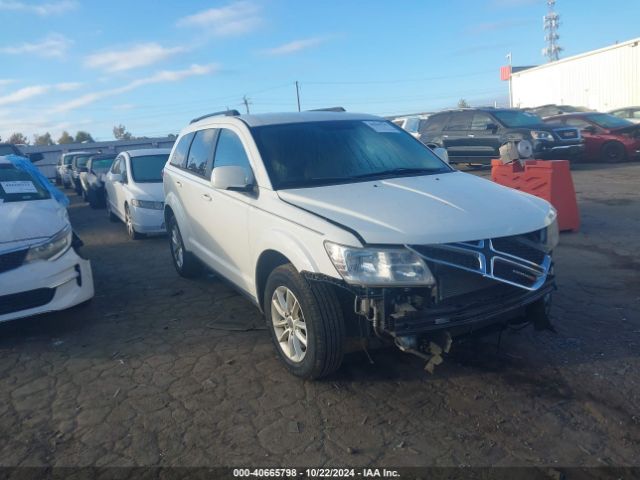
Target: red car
606,137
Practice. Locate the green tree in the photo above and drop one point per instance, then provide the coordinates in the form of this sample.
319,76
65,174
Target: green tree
65,138
42,139
83,136
120,133
462,103
17,137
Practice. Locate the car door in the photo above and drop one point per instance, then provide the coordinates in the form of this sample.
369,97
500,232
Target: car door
191,183
121,188
227,213
109,184
592,135
455,136
485,136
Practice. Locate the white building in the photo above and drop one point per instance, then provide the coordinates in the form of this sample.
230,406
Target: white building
603,80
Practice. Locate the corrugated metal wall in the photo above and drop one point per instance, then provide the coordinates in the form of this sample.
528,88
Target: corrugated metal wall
602,80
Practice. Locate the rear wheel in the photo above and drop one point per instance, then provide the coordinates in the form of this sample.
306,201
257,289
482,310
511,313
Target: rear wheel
306,323
131,231
185,263
614,152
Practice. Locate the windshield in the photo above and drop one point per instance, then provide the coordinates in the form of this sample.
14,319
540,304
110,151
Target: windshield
310,154
515,118
67,159
148,168
606,120
19,186
101,165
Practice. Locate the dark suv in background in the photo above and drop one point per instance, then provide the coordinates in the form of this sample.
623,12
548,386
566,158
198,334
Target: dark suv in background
474,135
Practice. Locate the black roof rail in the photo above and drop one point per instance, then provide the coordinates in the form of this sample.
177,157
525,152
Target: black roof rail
329,109
227,113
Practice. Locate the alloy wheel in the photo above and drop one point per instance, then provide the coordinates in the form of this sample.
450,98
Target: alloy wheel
177,248
289,324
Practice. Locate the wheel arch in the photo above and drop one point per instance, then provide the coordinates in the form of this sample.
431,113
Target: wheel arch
267,262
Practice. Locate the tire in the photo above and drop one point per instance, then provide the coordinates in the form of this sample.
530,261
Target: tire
321,314
185,263
614,152
128,221
112,216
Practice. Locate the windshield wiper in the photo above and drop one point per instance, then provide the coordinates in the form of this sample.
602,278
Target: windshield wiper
399,171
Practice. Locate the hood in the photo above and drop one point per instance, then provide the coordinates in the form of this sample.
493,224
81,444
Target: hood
31,221
147,191
451,207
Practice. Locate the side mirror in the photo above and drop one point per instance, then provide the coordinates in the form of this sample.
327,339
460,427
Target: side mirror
590,129
116,177
232,177
492,127
35,157
442,154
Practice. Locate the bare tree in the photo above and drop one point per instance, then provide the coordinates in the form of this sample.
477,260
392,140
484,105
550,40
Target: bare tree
43,139
65,138
120,133
17,138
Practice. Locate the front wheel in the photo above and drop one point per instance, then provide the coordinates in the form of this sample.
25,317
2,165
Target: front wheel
128,220
185,263
306,323
614,152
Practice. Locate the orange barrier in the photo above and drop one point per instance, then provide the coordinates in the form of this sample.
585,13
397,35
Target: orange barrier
547,179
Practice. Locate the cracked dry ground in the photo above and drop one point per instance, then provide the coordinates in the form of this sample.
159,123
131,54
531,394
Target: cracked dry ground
149,372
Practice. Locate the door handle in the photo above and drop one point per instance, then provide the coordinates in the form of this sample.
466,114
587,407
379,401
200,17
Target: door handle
445,136
471,135
206,196
178,183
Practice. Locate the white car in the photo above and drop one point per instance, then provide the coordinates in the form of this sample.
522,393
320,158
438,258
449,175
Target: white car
630,113
134,193
340,225
40,270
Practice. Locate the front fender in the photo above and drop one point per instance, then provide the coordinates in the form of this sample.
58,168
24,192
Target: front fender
292,247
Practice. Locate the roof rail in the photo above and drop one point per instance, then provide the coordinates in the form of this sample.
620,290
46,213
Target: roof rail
228,113
329,109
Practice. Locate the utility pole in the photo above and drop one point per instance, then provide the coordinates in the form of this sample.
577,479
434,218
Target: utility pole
246,102
551,22
298,94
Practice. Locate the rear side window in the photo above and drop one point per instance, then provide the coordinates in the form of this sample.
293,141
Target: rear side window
459,121
230,151
201,151
434,123
179,156
481,121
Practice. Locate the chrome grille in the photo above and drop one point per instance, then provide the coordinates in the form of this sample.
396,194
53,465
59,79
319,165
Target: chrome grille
515,260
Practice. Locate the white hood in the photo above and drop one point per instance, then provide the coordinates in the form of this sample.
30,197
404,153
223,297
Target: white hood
29,222
147,191
451,207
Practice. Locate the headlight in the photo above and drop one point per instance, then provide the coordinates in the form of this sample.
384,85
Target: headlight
551,234
541,135
379,267
53,248
147,204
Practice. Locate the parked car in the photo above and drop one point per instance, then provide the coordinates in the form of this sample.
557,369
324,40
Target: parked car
40,269
551,109
410,124
631,113
64,168
475,135
606,136
92,181
78,165
134,193
342,225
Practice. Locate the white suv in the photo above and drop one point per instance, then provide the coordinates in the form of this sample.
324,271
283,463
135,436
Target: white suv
340,225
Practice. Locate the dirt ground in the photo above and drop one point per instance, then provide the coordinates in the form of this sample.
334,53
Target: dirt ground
159,370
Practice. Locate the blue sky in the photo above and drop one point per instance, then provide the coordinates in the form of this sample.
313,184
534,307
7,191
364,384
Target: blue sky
154,65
